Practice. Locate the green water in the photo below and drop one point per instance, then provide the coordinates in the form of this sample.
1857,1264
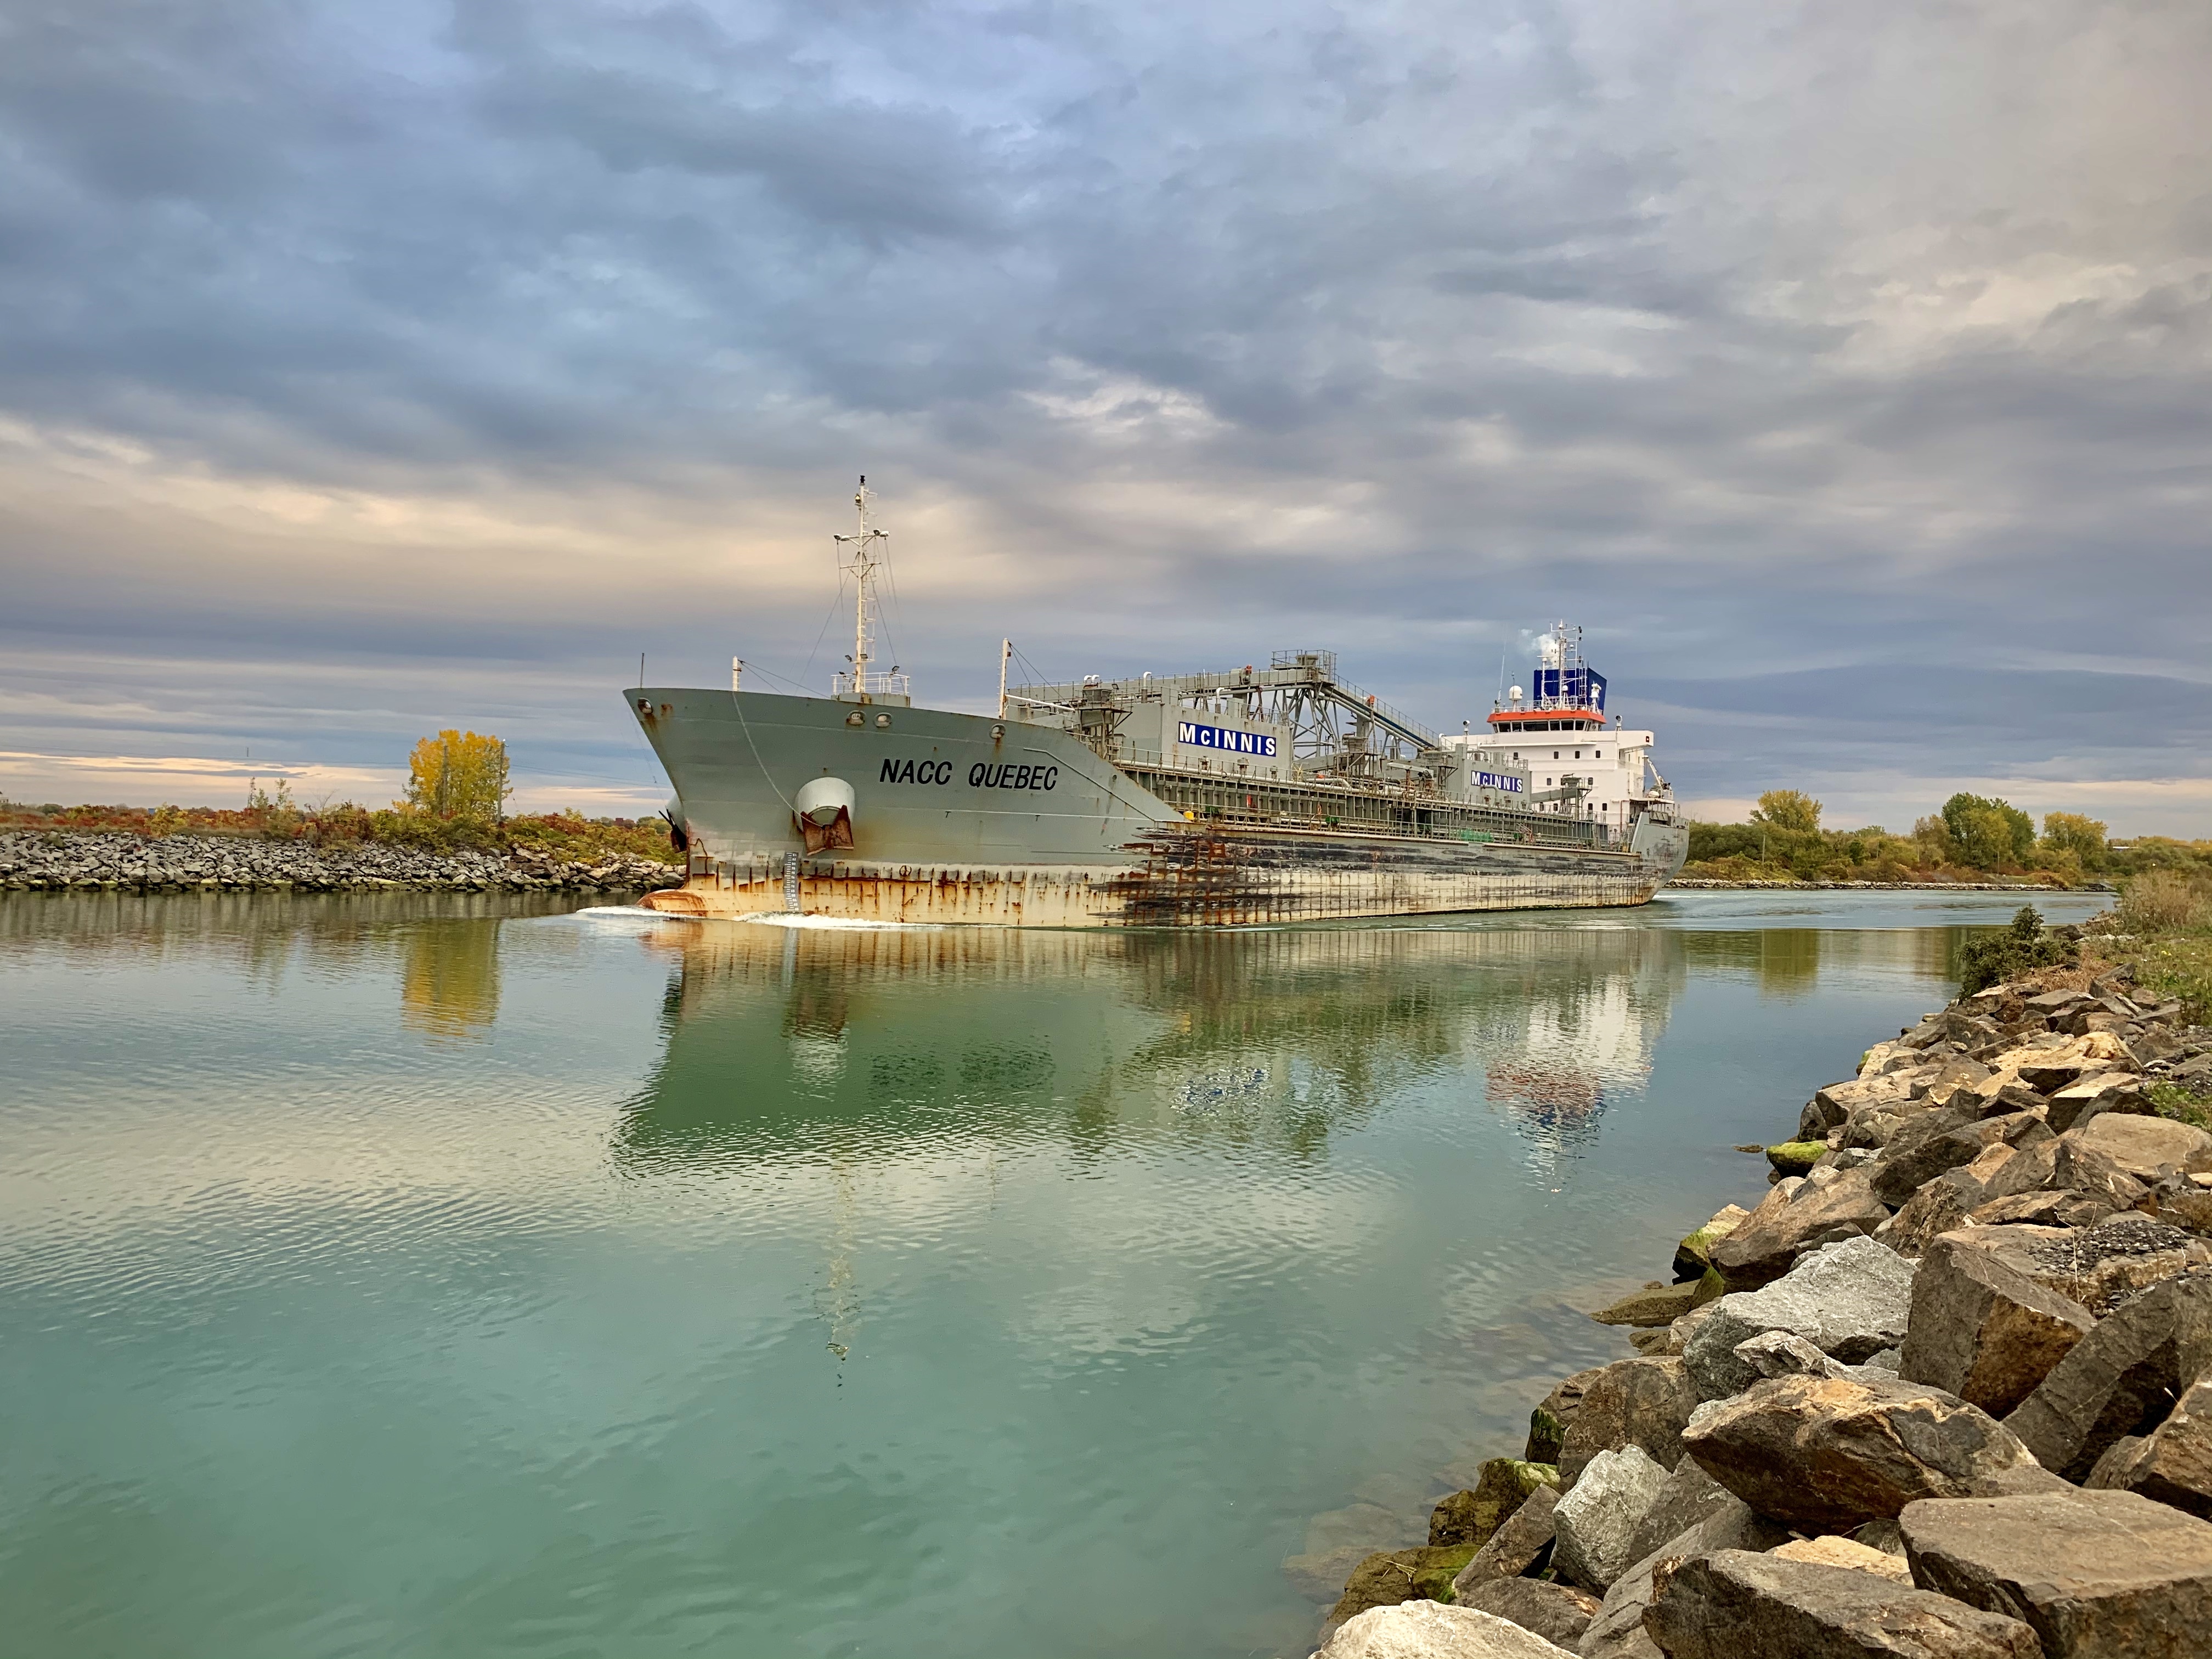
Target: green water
444,1277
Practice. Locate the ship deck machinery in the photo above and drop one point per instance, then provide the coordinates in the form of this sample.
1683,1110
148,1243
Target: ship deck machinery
1254,796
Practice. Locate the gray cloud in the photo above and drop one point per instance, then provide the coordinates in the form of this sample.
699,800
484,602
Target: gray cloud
1800,360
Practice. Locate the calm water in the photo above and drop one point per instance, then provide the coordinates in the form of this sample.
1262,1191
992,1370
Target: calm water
437,1277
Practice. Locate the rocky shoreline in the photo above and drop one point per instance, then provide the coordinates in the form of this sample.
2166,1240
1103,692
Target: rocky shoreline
1945,1392
1696,883
54,861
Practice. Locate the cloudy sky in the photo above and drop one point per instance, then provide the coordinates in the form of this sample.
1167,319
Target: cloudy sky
1845,371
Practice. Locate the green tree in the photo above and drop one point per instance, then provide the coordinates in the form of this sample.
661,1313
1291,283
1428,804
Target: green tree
1933,837
1788,809
458,775
1988,832
2075,833
1983,837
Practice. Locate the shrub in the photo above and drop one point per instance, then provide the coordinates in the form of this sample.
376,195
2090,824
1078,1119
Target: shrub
2019,950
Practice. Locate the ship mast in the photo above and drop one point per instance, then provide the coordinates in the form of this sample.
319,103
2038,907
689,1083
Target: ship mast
863,553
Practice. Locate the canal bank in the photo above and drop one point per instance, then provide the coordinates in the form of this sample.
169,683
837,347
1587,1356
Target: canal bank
1951,1375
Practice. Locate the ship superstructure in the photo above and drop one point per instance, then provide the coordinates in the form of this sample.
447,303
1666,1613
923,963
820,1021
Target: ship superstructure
1247,795
1557,730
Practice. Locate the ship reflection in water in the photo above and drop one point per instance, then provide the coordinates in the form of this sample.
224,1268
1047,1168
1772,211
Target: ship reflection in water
779,1037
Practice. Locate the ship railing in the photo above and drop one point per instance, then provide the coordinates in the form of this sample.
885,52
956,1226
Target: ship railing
845,683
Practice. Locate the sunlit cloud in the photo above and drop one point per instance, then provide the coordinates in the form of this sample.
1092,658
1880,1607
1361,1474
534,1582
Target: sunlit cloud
364,372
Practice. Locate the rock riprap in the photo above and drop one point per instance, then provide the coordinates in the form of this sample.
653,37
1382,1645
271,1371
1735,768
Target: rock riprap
1945,1391
1471,1515
54,861
2122,1378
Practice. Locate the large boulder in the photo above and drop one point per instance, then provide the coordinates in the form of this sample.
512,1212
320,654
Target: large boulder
1558,1613
1597,1521
2123,1378
2173,1463
1694,1254
1940,1205
1849,1300
1631,1402
1653,1306
2029,1171
1829,1551
1795,1157
1427,1630
1829,1455
1737,1605
1690,1498
1789,1222
2101,1575
1778,1353
1923,1150
1834,1105
2079,1167
2071,1210
2090,1095
1521,1543
1549,1420
2142,1146
1471,1516
1982,1329
1389,1576
2100,1267
1617,1631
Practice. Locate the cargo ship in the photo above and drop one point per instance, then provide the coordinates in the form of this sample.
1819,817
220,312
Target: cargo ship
1247,796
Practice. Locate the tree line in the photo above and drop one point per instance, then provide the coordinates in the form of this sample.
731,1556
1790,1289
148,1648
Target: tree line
456,793
1969,837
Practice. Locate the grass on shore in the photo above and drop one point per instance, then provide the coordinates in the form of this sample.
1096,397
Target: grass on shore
2162,928
1887,872
277,818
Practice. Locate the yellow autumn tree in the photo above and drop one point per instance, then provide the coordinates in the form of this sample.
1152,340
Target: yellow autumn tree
458,775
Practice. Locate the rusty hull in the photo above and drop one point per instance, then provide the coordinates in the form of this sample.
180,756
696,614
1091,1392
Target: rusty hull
1195,875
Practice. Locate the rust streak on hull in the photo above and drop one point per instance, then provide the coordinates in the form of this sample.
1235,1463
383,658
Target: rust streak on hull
1202,876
